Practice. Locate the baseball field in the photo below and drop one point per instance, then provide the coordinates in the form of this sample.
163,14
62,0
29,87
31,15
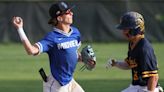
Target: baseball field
19,72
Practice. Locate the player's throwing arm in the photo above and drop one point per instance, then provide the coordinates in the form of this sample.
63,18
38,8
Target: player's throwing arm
30,49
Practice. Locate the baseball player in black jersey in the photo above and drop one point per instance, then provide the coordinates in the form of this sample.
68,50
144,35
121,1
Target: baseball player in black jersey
141,58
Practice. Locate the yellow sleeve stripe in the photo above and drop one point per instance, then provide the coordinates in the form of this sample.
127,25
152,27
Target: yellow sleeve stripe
149,75
150,72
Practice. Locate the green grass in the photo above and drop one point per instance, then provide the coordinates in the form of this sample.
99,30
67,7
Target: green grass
19,72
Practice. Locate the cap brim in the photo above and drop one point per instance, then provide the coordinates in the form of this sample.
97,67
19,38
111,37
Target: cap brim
73,6
120,27
70,7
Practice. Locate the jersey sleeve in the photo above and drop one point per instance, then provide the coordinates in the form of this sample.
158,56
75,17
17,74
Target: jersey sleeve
45,44
148,63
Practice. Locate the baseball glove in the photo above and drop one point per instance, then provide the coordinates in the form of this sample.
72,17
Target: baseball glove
88,58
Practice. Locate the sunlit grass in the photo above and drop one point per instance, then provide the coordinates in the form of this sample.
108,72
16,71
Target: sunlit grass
19,72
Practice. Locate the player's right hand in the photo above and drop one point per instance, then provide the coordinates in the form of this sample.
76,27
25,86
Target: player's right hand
17,22
110,63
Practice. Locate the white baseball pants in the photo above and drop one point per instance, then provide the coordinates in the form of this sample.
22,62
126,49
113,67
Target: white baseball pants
53,86
137,88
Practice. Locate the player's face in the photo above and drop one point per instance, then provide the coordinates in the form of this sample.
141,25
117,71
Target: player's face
67,17
127,35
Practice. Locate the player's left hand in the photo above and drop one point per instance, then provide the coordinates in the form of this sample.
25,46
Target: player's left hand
88,58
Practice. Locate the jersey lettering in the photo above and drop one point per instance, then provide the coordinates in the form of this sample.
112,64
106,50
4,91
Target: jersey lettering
66,45
132,63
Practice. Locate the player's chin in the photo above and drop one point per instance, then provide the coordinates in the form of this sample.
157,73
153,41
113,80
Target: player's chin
70,21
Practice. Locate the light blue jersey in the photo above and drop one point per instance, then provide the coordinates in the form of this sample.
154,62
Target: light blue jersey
62,51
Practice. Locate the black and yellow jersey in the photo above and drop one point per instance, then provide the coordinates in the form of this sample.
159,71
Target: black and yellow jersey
142,60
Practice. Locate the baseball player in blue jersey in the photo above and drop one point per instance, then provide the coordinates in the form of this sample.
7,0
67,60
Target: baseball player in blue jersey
61,45
141,58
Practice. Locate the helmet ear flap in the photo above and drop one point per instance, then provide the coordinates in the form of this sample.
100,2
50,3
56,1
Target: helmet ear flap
139,29
134,31
140,23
